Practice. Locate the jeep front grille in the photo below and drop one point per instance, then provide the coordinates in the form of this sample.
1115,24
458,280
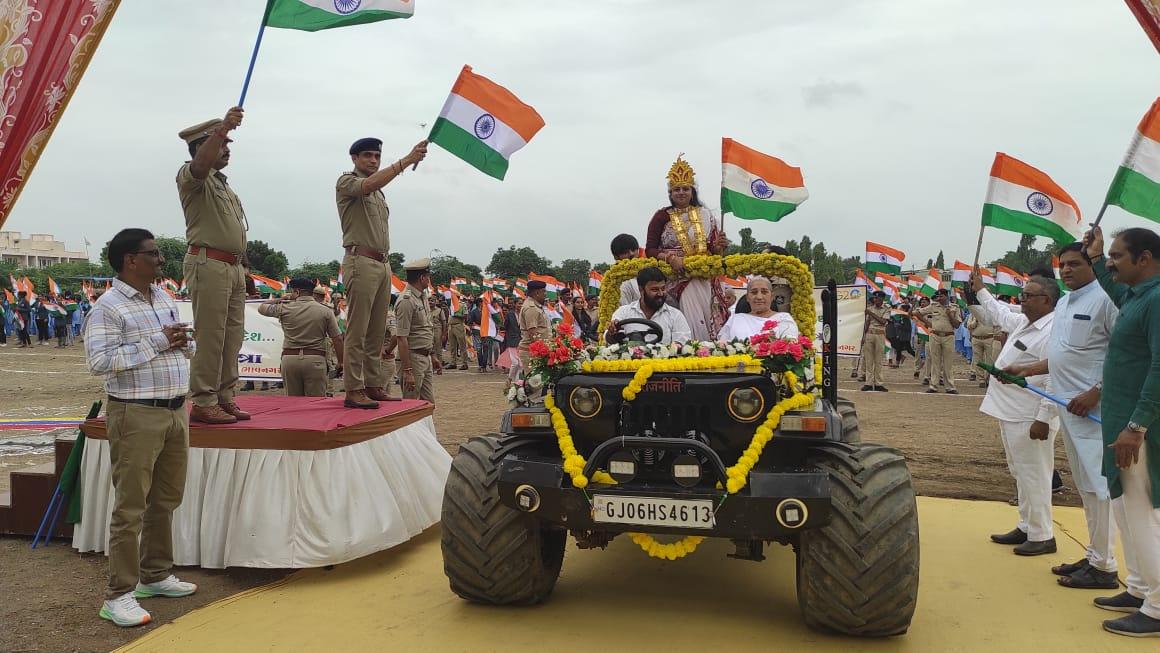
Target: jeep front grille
670,420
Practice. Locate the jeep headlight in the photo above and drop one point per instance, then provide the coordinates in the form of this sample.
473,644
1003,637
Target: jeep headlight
746,404
585,402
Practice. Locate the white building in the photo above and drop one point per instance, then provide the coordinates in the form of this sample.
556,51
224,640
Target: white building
36,251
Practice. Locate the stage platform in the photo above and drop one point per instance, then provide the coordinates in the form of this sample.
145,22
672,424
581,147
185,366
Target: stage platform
973,596
305,483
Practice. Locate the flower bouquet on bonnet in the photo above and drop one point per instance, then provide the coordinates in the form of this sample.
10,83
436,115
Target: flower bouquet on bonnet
780,355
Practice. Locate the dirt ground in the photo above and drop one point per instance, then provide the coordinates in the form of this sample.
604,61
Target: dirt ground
52,594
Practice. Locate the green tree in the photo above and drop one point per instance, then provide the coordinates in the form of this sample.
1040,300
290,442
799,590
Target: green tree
320,271
1026,257
807,251
397,261
445,268
574,270
748,244
602,267
940,262
266,260
512,262
173,249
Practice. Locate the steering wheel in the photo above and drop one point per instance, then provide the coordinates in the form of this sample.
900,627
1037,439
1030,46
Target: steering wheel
652,329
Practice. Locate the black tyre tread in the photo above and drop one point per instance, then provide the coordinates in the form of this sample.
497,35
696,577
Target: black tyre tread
859,574
491,553
851,432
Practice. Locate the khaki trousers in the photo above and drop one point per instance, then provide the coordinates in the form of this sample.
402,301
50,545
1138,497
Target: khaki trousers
218,291
304,376
368,284
872,355
982,351
421,370
457,339
390,368
920,357
941,350
148,448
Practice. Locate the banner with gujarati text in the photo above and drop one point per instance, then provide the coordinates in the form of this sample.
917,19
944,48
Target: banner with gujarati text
261,355
44,50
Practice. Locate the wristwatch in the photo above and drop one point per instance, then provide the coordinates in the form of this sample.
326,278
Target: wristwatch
1137,428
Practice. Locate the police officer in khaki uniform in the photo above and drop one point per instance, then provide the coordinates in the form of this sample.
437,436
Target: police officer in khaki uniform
874,344
390,355
363,213
439,323
414,333
533,319
306,325
982,346
215,229
457,337
941,318
332,366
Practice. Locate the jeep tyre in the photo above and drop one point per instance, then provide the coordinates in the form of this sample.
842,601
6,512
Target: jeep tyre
859,574
491,553
851,433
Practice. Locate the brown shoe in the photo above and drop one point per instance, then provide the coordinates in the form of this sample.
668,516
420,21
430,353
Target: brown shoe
211,415
233,409
359,399
378,394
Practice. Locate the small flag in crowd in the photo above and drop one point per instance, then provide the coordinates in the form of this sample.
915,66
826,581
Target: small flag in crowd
1008,281
915,281
595,279
487,319
483,123
1058,279
860,279
1136,186
53,288
931,283
314,15
1022,199
988,278
756,186
961,275
397,285
880,258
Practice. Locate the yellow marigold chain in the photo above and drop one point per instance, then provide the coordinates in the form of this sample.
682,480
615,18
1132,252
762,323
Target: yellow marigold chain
738,474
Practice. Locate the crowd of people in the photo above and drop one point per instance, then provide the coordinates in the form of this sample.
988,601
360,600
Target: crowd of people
44,317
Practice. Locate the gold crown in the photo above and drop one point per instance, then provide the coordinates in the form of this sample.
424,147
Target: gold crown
681,173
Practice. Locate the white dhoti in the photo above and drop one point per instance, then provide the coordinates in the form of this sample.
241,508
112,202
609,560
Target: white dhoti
1084,443
1030,462
1139,526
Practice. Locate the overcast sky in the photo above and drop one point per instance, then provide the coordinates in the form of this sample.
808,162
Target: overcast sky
892,108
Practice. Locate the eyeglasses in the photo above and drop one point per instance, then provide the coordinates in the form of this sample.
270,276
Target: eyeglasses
155,253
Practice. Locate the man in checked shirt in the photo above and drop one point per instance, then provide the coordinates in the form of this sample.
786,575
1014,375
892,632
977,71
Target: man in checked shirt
134,340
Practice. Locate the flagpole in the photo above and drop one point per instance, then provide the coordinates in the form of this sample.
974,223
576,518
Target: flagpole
1101,214
254,54
979,247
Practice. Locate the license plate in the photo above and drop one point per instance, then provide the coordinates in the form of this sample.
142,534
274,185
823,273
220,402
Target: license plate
653,511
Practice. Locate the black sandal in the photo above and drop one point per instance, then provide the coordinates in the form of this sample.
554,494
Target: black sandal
1090,578
1070,568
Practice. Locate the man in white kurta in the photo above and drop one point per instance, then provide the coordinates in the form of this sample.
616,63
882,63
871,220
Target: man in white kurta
1021,415
1084,319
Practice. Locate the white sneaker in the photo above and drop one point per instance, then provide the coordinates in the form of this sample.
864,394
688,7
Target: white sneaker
125,611
170,587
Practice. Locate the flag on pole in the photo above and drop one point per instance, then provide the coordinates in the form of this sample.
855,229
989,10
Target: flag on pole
916,281
397,285
882,278
880,258
594,280
961,275
551,284
931,283
1136,186
1008,281
988,278
1058,278
483,123
53,288
315,15
487,321
756,186
1022,199
860,279
11,300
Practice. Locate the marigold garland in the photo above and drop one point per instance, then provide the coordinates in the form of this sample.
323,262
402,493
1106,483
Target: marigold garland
709,266
738,474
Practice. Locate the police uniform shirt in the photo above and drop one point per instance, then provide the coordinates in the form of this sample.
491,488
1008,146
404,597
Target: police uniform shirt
413,320
213,213
882,312
979,329
533,322
939,317
306,324
363,217
438,321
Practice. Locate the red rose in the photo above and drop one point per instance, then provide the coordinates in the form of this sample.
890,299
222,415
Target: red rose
538,348
769,325
795,350
577,343
779,347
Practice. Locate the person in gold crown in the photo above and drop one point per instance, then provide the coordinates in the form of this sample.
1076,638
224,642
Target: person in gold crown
681,229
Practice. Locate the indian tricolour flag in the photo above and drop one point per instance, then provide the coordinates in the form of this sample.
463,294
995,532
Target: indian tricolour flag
961,275
1023,199
1058,278
880,258
915,281
931,283
1136,186
595,279
1008,281
483,123
551,284
988,278
397,285
860,279
756,186
314,15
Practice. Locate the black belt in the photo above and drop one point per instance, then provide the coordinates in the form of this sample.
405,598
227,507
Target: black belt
424,351
171,404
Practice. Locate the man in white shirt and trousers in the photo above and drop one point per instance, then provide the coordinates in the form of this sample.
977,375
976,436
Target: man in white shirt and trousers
1028,427
652,284
1084,319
